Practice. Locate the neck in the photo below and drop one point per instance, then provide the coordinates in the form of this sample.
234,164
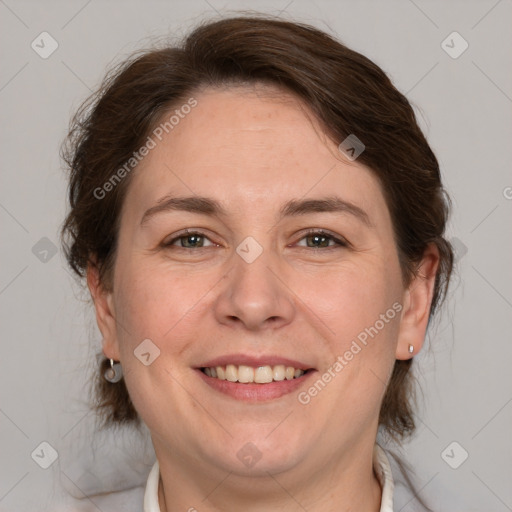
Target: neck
345,484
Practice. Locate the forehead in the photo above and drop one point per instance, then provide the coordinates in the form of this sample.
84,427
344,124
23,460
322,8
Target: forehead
247,146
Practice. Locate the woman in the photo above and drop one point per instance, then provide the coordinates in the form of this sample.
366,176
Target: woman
260,221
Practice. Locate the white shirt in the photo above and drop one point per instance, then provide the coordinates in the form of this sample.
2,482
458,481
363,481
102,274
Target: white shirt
380,465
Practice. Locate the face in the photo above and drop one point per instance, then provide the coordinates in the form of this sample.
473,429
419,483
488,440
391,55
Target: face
250,245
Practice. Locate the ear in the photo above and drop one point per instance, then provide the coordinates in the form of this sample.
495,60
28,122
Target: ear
105,312
417,302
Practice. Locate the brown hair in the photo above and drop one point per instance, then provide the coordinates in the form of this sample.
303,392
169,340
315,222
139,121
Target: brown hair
347,93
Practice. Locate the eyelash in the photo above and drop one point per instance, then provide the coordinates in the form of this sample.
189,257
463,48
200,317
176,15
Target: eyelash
319,232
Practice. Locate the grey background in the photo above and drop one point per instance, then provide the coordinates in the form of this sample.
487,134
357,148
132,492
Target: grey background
48,331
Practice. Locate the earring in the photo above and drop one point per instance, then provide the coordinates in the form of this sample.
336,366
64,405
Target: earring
411,349
114,373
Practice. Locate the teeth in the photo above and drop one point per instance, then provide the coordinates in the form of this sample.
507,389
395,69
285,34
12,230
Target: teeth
221,373
279,372
247,374
231,373
263,375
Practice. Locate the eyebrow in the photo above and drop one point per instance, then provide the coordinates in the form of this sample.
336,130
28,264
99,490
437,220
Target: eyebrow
294,207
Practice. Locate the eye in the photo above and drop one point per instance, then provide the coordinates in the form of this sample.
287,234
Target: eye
319,239
189,240
314,239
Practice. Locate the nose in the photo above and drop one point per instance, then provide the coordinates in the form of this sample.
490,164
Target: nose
254,296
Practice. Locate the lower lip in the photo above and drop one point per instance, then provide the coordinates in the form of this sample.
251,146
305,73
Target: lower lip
256,392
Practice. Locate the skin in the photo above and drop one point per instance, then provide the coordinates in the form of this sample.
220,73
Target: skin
253,149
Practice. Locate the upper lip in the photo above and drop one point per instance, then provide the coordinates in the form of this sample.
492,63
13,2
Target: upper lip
255,361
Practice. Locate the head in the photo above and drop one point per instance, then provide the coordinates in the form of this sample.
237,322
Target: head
214,214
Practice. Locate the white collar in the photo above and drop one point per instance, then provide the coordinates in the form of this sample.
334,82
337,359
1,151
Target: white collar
380,465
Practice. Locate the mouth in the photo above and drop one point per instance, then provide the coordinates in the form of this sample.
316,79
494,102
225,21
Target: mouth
254,379
259,375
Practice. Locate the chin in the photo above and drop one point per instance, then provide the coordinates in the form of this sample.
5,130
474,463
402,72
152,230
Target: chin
260,453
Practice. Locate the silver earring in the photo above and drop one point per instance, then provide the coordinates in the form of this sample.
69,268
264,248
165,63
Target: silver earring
114,373
411,349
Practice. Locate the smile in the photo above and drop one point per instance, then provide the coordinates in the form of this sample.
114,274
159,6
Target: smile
248,374
255,379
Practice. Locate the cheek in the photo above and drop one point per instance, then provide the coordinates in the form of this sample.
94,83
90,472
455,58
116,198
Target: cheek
150,307
151,300
352,298
360,305
366,325
361,308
